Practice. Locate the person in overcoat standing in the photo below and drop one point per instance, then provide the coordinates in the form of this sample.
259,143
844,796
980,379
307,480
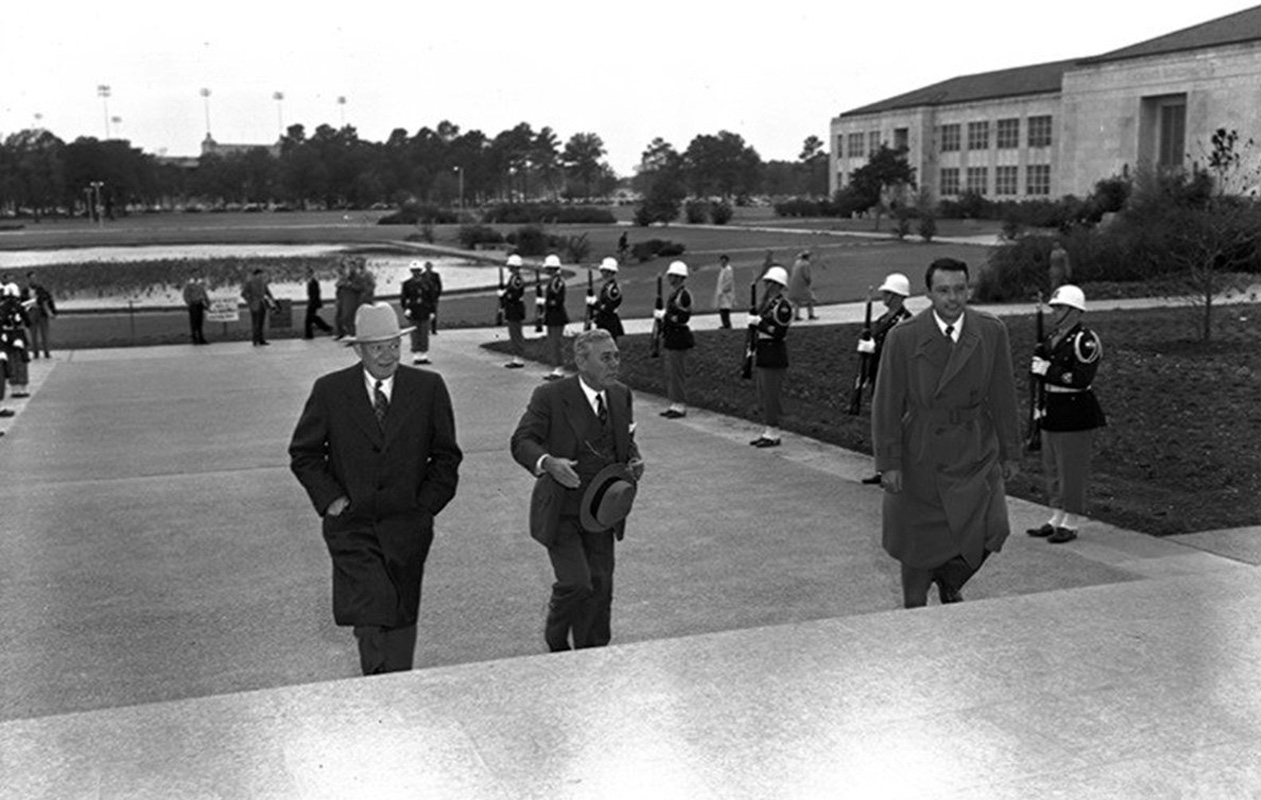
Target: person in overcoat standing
946,434
375,449
725,291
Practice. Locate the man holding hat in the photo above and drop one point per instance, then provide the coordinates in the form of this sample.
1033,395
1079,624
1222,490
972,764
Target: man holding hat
512,298
577,438
604,312
770,355
414,297
555,317
1066,363
676,339
375,450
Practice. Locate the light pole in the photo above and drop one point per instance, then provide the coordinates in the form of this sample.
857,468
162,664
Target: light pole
94,200
460,172
341,104
118,123
279,97
102,91
205,98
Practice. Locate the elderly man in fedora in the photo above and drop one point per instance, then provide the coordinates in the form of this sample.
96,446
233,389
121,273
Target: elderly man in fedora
375,450
577,438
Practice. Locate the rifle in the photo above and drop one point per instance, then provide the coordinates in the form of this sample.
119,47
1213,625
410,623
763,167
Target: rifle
864,362
499,309
1037,391
750,339
538,303
655,350
586,326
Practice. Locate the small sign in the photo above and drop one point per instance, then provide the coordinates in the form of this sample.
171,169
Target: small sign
223,311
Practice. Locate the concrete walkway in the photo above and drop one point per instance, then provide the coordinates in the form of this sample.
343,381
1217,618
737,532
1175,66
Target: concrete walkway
167,629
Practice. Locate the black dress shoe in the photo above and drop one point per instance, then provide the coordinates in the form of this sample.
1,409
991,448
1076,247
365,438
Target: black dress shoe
513,365
766,442
670,413
1062,535
1047,529
7,412
873,480
19,395
552,376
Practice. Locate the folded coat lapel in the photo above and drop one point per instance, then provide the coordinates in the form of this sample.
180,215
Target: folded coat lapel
961,352
360,409
621,426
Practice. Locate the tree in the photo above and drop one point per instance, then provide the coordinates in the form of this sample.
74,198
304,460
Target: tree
660,179
882,180
582,159
545,155
813,167
723,165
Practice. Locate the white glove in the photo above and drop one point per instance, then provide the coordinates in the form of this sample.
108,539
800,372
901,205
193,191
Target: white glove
407,312
1039,366
538,301
867,346
658,313
752,320
502,292
19,344
590,299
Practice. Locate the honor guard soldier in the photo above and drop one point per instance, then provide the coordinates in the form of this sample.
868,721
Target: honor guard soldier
512,300
770,356
604,309
555,317
1066,362
893,293
676,339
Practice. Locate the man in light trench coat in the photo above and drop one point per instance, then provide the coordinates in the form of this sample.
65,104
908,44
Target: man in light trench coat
946,433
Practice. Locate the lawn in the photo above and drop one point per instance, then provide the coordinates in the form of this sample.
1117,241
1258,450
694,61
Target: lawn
1180,451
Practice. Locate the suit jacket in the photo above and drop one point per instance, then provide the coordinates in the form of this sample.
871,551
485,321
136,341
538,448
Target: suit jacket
397,480
552,425
946,417
256,292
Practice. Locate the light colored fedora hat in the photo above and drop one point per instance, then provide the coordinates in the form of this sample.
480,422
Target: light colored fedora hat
608,498
376,322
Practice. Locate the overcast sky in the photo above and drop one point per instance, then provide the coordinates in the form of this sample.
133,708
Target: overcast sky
773,72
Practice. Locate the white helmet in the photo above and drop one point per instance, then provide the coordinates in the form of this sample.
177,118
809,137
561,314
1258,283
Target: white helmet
776,275
896,283
415,265
608,265
1069,295
677,268
514,260
12,290
551,262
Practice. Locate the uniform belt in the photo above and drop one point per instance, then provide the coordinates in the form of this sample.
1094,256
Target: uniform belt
1053,389
950,416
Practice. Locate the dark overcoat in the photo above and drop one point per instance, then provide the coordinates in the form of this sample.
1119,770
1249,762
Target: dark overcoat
946,417
396,479
552,425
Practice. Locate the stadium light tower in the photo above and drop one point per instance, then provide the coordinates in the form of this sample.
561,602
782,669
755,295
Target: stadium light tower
102,91
279,97
341,104
205,97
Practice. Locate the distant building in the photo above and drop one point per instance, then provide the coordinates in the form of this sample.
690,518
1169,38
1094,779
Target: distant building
1053,129
210,147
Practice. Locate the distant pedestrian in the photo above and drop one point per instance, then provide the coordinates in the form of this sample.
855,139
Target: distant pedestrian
725,291
623,248
256,293
555,317
801,285
198,302
1066,363
346,299
676,339
314,302
41,309
770,357
512,297
434,289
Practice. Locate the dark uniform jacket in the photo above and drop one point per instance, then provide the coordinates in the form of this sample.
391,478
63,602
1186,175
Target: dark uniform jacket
879,331
1069,402
514,298
675,333
775,315
604,313
414,298
554,313
397,480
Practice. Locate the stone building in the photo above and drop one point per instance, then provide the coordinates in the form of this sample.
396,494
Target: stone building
1053,129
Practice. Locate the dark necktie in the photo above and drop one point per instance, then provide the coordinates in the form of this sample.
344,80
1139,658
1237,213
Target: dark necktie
380,404
950,329
600,410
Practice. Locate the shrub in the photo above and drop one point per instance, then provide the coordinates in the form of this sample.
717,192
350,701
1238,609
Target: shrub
797,207
531,240
415,213
577,248
927,227
538,213
471,236
720,213
649,249
696,212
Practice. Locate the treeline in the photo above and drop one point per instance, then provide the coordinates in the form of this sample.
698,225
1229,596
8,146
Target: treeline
40,174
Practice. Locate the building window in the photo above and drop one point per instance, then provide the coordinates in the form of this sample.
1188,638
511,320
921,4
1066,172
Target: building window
949,180
873,143
1173,134
978,179
978,136
855,149
1006,180
949,138
1008,134
1039,179
1040,131
840,146
901,139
